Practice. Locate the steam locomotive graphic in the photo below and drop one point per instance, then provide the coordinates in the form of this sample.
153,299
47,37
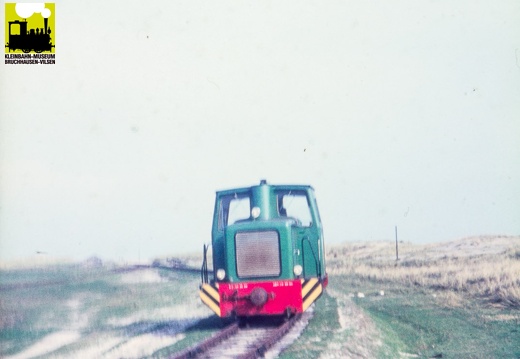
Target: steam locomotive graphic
37,40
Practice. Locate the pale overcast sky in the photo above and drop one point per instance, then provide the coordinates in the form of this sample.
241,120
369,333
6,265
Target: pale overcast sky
402,113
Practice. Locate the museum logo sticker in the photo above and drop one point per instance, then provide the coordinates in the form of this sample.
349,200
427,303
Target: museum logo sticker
30,34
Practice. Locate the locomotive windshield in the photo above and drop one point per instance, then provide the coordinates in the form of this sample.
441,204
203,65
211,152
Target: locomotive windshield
295,204
234,208
285,203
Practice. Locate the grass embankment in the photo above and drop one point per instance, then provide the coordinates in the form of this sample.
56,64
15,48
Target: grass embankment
483,267
422,323
451,300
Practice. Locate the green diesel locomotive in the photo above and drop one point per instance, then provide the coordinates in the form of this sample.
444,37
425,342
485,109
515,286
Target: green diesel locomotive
267,252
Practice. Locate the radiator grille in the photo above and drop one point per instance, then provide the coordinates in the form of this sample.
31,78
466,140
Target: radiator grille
258,254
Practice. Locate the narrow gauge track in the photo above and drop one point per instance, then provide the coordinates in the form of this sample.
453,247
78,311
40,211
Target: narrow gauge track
234,341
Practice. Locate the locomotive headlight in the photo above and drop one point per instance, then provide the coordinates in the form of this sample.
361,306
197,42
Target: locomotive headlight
221,274
298,270
255,212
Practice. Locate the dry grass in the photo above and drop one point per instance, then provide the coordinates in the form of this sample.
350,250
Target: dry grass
486,267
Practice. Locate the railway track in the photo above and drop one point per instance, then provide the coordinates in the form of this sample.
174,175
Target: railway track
241,341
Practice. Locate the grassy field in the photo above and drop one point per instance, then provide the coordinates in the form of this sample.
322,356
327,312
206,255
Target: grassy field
422,323
482,267
449,300
67,311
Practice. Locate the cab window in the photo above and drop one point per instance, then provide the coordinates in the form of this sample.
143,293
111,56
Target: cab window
234,208
295,205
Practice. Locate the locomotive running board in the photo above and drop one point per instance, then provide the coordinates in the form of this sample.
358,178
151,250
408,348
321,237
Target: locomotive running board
209,296
311,290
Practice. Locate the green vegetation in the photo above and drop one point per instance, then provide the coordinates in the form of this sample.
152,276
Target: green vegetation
317,336
449,300
102,307
426,323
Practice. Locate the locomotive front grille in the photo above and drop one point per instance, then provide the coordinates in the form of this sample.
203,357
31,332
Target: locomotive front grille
258,254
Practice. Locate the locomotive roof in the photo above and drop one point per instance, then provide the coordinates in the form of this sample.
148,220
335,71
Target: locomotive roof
264,183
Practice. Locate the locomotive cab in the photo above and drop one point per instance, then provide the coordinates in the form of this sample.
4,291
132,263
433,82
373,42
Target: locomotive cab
267,252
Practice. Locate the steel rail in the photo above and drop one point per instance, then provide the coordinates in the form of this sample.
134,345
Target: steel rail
274,336
256,349
207,344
